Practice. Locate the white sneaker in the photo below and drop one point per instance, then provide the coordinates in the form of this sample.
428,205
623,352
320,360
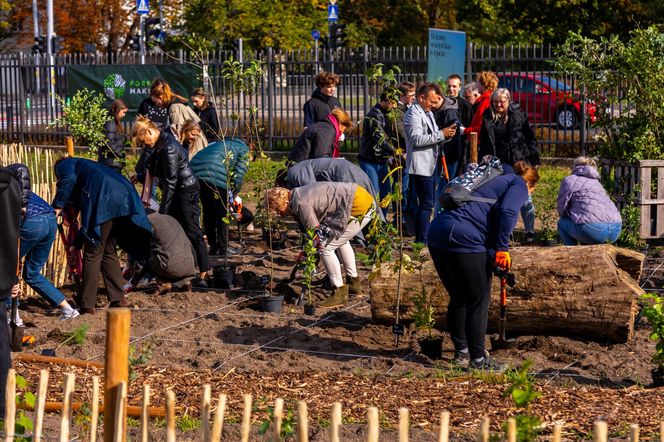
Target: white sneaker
66,316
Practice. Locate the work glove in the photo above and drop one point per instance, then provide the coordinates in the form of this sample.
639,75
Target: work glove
503,261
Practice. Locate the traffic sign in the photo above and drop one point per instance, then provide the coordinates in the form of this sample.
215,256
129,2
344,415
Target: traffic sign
315,34
332,12
142,6
333,2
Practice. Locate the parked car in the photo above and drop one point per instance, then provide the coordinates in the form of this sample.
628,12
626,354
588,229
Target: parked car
545,99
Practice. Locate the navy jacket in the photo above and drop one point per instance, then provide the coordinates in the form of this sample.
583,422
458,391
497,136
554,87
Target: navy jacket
210,164
481,227
102,195
10,216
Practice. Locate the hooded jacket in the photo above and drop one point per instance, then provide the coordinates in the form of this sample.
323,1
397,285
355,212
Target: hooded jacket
518,145
583,199
378,141
318,107
317,141
211,165
324,203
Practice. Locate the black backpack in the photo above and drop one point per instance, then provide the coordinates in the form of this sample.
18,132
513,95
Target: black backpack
459,190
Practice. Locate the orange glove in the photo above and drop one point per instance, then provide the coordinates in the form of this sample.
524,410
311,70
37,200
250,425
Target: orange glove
503,261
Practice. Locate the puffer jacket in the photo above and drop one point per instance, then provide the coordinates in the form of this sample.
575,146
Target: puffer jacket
318,107
519,145
211,165
170,163
10,216
22,174
324,203
583,199
317,141
378,141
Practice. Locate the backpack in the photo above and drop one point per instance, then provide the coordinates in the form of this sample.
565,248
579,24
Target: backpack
459,190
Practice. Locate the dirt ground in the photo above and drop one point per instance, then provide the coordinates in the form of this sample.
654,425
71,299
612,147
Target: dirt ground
222,338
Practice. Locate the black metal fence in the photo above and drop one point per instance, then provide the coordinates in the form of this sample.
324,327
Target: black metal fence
27,106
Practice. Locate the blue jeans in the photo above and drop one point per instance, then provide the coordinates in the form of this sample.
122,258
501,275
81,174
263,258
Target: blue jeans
424,188
528,215
377,173
37,236
591,233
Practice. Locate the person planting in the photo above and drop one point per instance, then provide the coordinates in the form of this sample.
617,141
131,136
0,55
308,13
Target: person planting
465,244
343,209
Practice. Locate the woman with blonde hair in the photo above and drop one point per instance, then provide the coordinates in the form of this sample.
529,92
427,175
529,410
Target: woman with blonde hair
176,106
192,138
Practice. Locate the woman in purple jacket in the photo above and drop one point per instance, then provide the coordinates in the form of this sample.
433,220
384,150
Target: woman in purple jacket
587,214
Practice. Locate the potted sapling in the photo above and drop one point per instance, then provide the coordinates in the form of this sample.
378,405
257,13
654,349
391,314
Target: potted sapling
424,317
653,309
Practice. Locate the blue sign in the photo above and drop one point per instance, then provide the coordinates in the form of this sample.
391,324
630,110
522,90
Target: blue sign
332,12
142,6
315,34
447,54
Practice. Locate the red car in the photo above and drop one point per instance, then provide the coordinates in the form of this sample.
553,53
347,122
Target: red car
545,99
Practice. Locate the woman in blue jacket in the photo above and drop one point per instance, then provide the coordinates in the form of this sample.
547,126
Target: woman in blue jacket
465,244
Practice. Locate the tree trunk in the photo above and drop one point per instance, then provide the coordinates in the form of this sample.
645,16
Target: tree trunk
584,291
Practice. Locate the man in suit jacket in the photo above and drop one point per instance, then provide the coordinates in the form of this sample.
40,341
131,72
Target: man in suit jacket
422,147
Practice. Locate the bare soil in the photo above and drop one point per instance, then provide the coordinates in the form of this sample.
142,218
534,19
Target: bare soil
222,338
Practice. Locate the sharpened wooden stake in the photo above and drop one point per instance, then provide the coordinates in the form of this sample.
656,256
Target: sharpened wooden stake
483,436
116,368
278,415
444,435
302,422
404,424
170,416
372,419
335,422
218,425
40,404
473,147
69,144
634,433
511,430
10,404
121,399
94,416
601,432
68,387
205,412
246,418
145,414
557,433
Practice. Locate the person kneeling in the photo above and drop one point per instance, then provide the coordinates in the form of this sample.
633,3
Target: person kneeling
344,208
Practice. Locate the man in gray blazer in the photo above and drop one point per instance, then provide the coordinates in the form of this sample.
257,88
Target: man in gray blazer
423,138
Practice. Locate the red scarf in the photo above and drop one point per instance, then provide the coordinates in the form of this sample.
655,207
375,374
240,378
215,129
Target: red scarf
336,150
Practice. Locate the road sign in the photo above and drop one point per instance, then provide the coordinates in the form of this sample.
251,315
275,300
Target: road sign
315,34
142,6
332,12
333,2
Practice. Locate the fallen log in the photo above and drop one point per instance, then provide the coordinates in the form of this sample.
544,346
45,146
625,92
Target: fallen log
584,291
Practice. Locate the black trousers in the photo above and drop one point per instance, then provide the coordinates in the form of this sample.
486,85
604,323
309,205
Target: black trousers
102,257
467,278
185,209
5,352
214,203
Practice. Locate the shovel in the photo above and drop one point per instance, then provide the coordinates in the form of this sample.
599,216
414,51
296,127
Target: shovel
17,332
501,341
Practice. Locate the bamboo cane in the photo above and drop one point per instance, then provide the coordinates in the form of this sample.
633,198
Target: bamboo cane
10,404
246,418
444,435
218,426
121,398
94,417
511,430
404,424
601,432
634,433
335,423
39,404
65,421
170,416
372,420
145,414
483,435
205,413
277,417
302,422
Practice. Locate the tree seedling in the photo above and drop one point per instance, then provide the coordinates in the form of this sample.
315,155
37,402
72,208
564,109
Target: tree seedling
653,309
522,391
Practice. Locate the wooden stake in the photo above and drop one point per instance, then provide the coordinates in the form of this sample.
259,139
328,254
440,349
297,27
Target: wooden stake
145,414
444,435
40,402
661,431
511,430
170,416
634,433
94,418
218,426
246,418
404,424
302,422
277,417
484,430
10,404
473,147
335,423
205,412
118,431
557,433
118,321
601,432
69,144
372,420
66,406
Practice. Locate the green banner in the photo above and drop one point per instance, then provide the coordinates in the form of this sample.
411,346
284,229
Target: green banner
131,83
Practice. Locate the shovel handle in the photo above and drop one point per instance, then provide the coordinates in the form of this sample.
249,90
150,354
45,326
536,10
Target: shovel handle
14,309
503,292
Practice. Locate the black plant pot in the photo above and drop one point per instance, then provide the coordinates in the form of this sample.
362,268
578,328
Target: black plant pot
551,242
657,377
432,348
644,248
223,277
309,309
278,243
272,304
